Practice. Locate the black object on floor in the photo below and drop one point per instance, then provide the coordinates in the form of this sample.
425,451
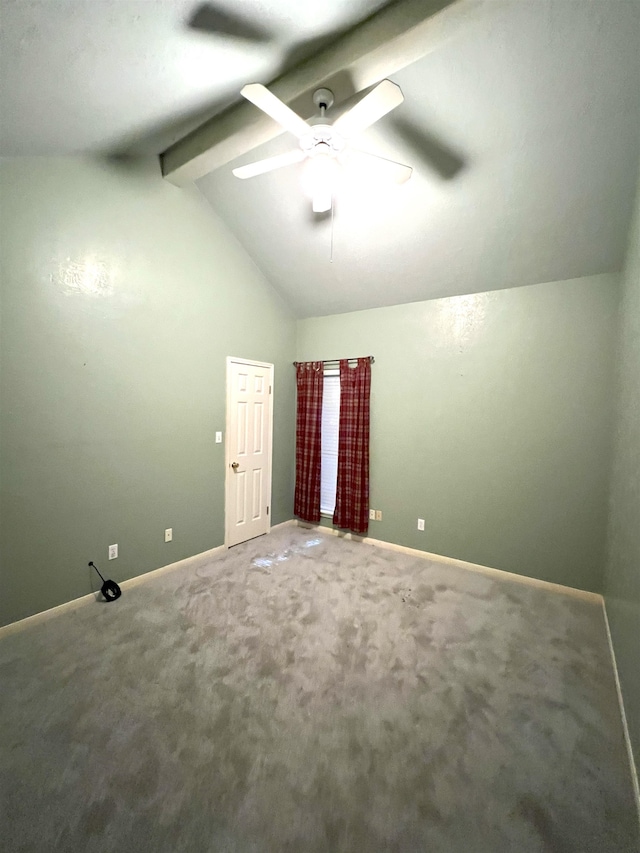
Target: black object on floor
109,588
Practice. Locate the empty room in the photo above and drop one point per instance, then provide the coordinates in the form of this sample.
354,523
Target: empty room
320,426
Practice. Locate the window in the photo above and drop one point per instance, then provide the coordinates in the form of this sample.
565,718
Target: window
329,454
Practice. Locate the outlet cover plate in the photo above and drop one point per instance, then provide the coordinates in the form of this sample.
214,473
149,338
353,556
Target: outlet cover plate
421,524
372,515
378,515
113,552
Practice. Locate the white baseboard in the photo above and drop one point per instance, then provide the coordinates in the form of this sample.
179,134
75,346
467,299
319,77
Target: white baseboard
625,725
292,522
75,603
499,574
180,564
45,615
379,543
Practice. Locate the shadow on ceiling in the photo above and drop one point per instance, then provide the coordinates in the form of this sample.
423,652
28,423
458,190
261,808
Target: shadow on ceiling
212,20
154,139
209,19
432,151
423,145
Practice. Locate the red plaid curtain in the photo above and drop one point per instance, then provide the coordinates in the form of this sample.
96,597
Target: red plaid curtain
310,378
352,493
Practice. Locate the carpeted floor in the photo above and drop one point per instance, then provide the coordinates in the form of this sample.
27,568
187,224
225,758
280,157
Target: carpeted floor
303,693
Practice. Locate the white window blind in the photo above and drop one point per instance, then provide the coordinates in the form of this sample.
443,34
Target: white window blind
330,424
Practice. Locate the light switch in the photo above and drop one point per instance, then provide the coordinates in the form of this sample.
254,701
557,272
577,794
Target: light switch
218,438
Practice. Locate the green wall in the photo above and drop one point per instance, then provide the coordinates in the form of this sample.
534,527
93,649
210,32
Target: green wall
491,419
622,581
121,296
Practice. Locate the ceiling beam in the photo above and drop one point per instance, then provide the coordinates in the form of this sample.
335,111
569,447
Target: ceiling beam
388,41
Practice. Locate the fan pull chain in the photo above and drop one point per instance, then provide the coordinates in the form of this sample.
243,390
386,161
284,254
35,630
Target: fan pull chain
333,207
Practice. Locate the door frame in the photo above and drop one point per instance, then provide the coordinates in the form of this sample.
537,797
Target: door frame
227,461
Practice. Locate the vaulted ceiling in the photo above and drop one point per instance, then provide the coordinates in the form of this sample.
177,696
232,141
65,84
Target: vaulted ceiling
523,127
132,75
537,103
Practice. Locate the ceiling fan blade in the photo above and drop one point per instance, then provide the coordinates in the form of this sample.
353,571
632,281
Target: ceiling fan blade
274,107
210,19
385,97
268,165
396,172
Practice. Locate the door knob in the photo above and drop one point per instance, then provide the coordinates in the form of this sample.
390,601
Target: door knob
235,465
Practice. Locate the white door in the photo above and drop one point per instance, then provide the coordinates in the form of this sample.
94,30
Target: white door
248,449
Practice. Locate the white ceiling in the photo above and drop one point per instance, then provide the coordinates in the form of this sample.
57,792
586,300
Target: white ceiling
539,98
542,102
103,75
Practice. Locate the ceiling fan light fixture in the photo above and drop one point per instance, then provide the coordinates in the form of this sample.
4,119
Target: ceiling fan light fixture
322,202
319,178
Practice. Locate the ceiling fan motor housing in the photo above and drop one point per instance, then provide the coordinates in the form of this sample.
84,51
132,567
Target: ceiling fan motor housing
322,140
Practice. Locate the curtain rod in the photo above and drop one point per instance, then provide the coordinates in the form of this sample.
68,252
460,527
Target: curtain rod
338,360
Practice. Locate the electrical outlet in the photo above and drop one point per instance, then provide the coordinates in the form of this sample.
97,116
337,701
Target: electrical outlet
218,438
113,552
378,515
421,524
372,515
168,534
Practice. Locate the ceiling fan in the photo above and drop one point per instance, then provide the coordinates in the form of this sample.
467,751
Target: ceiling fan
214,19
323,144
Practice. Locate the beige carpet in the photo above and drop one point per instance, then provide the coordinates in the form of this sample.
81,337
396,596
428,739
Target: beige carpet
303,693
